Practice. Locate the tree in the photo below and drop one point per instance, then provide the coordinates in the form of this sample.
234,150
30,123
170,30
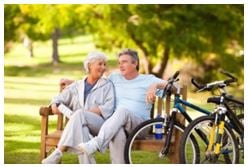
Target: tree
10,24
165,31
41,22
159,31
51,20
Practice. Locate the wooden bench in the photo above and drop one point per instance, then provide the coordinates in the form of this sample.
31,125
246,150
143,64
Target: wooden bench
49,140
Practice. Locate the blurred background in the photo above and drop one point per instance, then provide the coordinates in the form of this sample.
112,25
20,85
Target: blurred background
44,43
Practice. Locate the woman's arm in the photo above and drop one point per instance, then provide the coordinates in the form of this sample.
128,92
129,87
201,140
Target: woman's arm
107,108
55,109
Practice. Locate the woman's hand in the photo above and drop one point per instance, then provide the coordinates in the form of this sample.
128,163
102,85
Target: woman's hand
95,110
55,109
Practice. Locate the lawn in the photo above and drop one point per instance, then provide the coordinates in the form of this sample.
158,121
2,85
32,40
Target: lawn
31,82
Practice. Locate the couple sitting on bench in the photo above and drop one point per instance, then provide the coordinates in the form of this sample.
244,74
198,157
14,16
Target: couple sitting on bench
101,110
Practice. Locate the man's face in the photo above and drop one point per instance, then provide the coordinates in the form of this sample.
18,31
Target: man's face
127,65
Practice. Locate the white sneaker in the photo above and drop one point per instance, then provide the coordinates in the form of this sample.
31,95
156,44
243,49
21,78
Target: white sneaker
89,148
53,158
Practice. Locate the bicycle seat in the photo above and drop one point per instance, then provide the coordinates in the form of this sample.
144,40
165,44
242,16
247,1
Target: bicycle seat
215,100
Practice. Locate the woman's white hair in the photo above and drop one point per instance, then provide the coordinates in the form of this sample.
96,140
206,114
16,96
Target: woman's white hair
92,57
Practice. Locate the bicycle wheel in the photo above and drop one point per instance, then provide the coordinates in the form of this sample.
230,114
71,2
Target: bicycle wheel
240,139
142,147
200,128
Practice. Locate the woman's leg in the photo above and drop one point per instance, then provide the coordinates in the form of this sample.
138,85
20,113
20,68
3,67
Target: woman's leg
76,131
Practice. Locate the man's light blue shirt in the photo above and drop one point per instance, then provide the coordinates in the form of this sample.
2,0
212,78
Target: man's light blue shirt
131,94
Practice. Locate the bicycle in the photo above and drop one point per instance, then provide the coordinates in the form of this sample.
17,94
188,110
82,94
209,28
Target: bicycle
220,139
134,150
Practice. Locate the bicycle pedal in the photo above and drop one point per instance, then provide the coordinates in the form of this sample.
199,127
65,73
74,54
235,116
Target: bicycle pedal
161,155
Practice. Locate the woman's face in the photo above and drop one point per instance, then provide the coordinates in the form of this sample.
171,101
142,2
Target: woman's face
97,68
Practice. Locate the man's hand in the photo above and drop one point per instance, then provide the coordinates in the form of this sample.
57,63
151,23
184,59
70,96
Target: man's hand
64,83
151,94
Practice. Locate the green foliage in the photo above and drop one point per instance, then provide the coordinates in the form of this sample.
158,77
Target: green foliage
9,24
159,31
183,30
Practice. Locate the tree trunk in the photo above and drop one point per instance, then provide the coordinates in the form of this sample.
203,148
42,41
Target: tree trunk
146,62
31,53
55,54
163,63
28,43
147,65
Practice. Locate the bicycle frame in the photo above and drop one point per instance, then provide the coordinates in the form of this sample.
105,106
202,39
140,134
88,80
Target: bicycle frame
178,102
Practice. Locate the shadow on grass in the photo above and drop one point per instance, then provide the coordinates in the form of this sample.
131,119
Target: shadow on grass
23,120
37,70
26,150
27,101
33,121
24,83
48,69
21,157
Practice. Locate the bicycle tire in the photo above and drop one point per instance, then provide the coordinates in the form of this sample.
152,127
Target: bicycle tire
133,155
230,155
240,140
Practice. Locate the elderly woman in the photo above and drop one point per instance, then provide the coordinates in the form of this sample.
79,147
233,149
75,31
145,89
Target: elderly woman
88,103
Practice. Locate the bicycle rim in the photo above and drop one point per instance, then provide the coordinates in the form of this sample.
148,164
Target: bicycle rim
143,146
229,149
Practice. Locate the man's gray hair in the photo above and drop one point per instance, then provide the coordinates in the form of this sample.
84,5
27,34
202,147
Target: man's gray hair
131,53
92,57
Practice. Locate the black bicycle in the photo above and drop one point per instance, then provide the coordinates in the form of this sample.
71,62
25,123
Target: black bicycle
145,146
219,136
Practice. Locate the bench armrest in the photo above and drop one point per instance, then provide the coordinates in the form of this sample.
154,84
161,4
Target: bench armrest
45,111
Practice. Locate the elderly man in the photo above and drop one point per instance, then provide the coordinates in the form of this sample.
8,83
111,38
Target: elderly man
134,94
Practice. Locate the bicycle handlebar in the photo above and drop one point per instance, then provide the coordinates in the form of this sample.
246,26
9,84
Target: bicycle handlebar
176,74
196,84
210,86
171,80
228,81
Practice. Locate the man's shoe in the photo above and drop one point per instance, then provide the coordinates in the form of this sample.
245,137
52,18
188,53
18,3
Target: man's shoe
53,158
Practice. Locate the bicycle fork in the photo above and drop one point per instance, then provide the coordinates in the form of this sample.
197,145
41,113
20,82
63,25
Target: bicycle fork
216,134
169,124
